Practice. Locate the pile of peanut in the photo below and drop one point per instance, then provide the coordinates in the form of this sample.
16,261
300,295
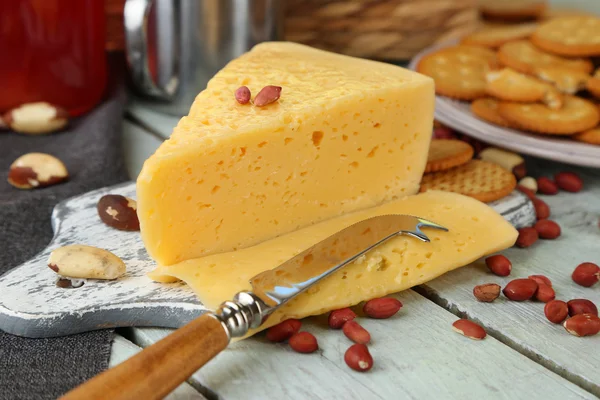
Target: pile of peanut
357,356
582,313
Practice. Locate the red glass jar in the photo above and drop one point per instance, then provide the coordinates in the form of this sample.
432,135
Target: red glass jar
52,50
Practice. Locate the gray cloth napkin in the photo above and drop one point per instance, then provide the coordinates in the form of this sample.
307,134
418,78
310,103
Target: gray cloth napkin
91,150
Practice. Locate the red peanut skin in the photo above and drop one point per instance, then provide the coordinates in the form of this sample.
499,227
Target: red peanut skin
526,191
583,325
358,358
469,329
541,279
355,332
337,318
520,289
547,229
304,342
581,306
542,210
527,237
568,181
556,311
499,265
546,186
382,308
586,274
243,95
544,293
283,330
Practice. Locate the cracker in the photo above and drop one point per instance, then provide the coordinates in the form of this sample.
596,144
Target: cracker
512,10
459,71
591,137
487,109
593,84
481,180
575,36
447,153
495,37
576,115
507,84
565,80
524,57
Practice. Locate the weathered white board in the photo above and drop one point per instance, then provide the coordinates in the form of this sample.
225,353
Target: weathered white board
122,349
522,325
416,356
31,304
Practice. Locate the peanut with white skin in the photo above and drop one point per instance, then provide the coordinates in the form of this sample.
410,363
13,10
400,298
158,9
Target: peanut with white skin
529,183
36,118
506,159
36,170
85,262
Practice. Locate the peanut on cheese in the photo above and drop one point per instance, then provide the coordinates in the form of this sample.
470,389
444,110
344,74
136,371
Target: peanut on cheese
396,265
346,134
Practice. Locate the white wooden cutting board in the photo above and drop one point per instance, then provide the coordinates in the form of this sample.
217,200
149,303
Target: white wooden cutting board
32,305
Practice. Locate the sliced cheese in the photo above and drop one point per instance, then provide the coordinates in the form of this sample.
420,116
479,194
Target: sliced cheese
346,134
475,230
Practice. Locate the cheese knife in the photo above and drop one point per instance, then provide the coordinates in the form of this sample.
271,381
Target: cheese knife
161,367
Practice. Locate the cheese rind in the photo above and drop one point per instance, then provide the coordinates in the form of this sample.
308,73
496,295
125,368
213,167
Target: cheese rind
475,230
346,134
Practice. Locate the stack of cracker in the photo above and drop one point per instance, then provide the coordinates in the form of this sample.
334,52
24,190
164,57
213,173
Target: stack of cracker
451,168
533,76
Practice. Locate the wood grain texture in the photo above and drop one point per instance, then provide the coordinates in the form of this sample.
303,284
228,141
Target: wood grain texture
522,325
160,368
416,353
122,349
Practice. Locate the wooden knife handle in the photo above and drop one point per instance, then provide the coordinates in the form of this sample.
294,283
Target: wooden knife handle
158,369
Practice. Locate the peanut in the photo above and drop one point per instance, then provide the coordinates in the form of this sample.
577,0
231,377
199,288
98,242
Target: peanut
337,318
546,186
529,183
541,279
283,330
267,95
355,332
506,159
304,342
382,308
556,311
520,289
358,358
581,306
583,325
526,191
443,133
568,181
547,229
499,265
469,329
487,292
544,293
527,237
586,274
542,210
243,95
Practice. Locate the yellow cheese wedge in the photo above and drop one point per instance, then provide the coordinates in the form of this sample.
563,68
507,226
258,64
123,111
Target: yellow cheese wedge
347,134
402,262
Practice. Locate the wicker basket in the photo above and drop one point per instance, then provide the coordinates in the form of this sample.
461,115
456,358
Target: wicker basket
379,29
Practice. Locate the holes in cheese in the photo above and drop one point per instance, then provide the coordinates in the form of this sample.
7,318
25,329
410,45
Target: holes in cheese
346,134
475,231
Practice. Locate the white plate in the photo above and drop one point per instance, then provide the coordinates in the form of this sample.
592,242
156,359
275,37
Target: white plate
457,115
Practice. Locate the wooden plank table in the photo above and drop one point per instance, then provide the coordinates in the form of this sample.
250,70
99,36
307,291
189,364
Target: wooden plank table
416,353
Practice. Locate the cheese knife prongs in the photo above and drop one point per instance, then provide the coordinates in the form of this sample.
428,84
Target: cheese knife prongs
161,367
